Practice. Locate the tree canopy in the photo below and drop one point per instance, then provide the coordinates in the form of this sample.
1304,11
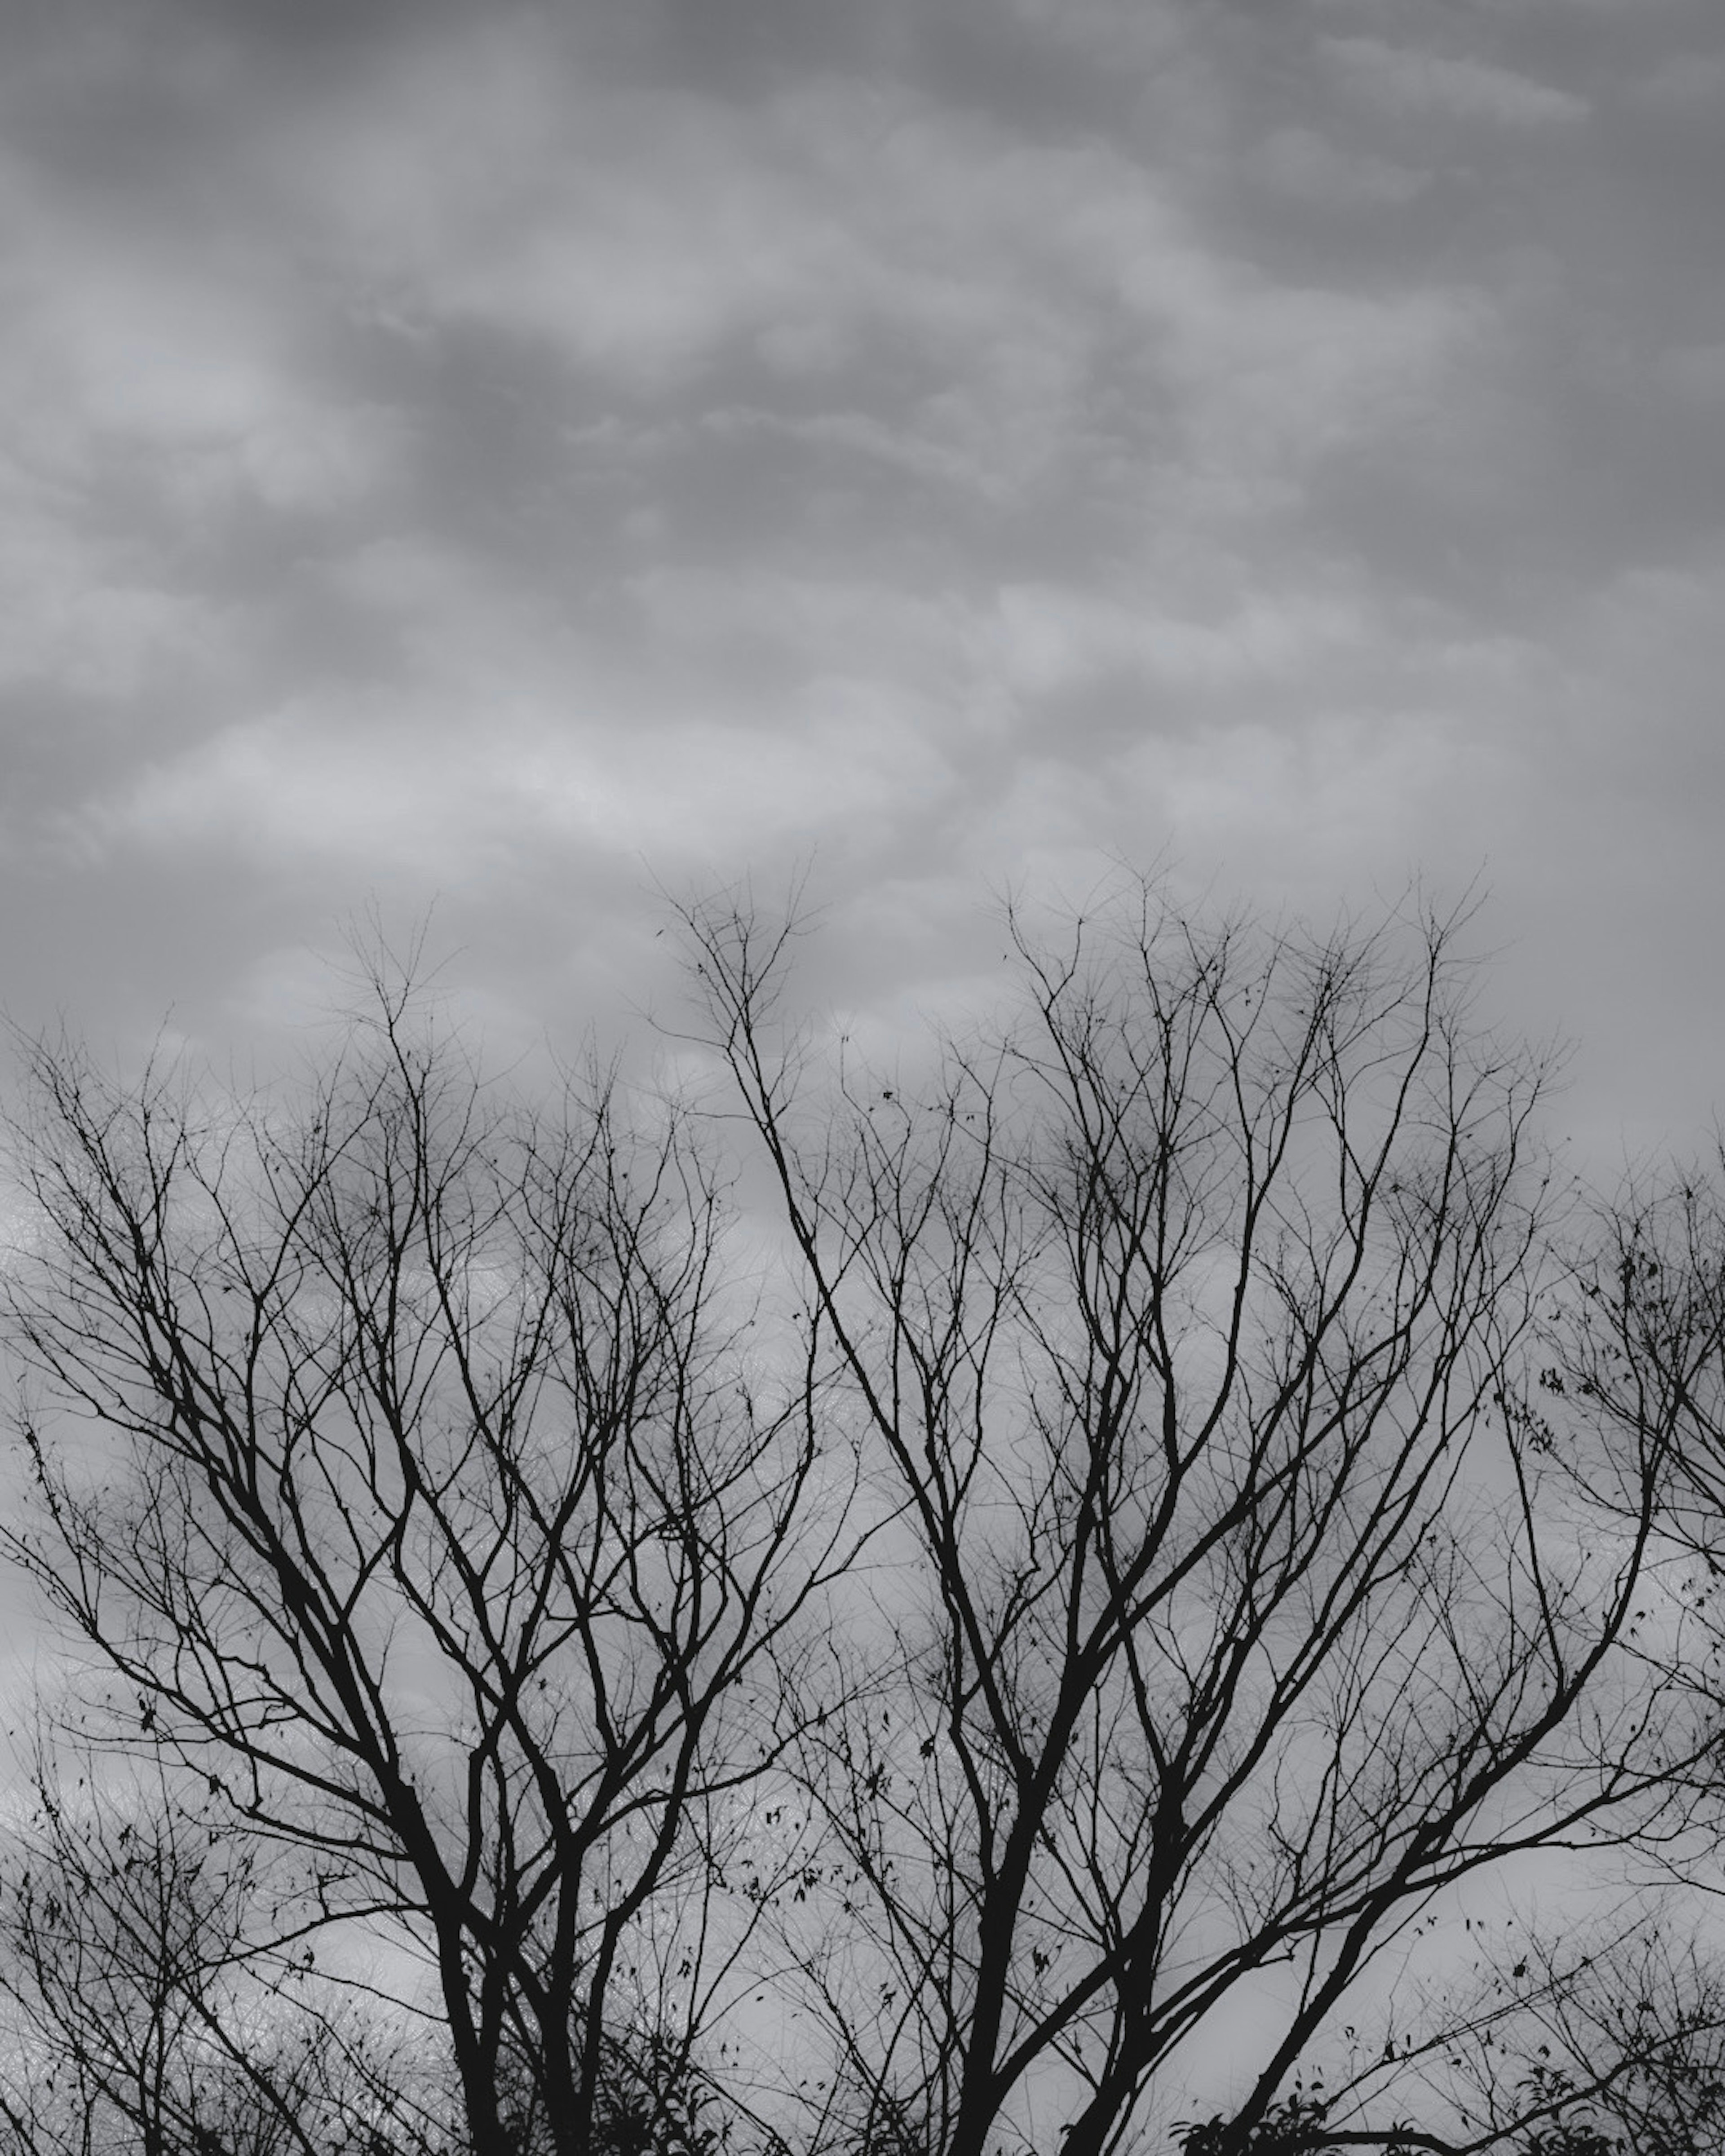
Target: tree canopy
1163,1494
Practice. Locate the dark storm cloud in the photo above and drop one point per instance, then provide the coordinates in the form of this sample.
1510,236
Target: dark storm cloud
478,450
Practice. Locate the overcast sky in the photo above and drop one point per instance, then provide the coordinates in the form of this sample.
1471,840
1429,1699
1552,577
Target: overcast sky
503,454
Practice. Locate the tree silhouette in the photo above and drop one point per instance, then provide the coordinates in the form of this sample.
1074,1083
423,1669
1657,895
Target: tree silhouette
429,1521
1190,1311
1107,1588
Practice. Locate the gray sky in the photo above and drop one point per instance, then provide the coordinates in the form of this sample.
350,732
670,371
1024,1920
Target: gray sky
501,454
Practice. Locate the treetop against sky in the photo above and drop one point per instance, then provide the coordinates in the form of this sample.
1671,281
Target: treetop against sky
1179,1535
505,456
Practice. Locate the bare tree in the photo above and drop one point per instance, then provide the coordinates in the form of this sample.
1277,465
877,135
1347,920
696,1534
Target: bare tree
1237,1616
398,1464
1630,2049
1598,2037
160,1997
429,1506
1640,1345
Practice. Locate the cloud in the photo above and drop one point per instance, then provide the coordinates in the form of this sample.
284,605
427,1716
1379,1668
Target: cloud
80,616
1684,82
948,294
1407,79
1050,641
1302,164
1357,791
1696,373
428,795
492,181
803,624
474,449
914,449
135,353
